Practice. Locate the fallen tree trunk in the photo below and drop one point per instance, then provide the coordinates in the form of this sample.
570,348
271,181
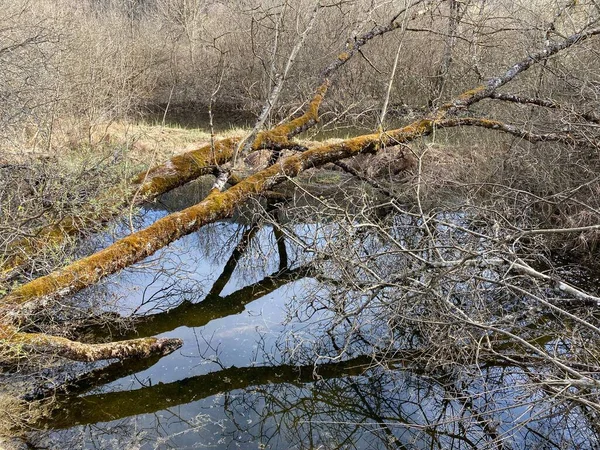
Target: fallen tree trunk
217,205
177,171
11,338
147,185
184,168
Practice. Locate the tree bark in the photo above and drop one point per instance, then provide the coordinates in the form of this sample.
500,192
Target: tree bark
219,205
147,185
11,338
184,168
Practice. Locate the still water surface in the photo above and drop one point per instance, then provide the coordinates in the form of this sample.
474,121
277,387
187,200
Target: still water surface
244,379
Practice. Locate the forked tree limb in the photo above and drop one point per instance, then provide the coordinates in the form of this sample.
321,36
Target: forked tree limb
218,205
245,144
147,185
177,171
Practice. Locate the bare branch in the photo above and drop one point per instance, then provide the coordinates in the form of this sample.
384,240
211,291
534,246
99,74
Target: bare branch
546,103
473,96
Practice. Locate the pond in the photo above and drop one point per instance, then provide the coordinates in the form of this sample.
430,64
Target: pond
194,116
255,370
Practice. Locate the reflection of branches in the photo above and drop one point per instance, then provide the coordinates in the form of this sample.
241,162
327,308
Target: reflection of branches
458,287
115,405
97,377
233,260
214,306
211,308
412,411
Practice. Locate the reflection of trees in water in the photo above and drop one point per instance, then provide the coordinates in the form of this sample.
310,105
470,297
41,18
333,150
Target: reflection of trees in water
455,290
411,352
401,409
283,407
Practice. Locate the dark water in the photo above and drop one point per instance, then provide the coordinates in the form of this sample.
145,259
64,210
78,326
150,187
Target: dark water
248,375
194,116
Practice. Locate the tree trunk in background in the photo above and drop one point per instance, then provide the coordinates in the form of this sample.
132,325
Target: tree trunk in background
441,77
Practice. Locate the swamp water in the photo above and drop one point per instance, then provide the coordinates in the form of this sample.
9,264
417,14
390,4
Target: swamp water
245,376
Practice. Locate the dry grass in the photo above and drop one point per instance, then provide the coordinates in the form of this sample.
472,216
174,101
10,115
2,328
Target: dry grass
138,138
160,142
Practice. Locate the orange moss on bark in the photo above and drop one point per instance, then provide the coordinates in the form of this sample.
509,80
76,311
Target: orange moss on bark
176,172
344,56
184,168
149,184
463,100
282,133
217,205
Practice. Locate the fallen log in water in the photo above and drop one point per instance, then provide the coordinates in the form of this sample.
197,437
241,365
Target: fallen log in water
11,338
151,183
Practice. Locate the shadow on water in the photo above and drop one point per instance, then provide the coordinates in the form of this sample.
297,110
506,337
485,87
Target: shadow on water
242,379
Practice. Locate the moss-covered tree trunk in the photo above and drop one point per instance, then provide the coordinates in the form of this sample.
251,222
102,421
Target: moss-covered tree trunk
131,249
15,344
151,183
